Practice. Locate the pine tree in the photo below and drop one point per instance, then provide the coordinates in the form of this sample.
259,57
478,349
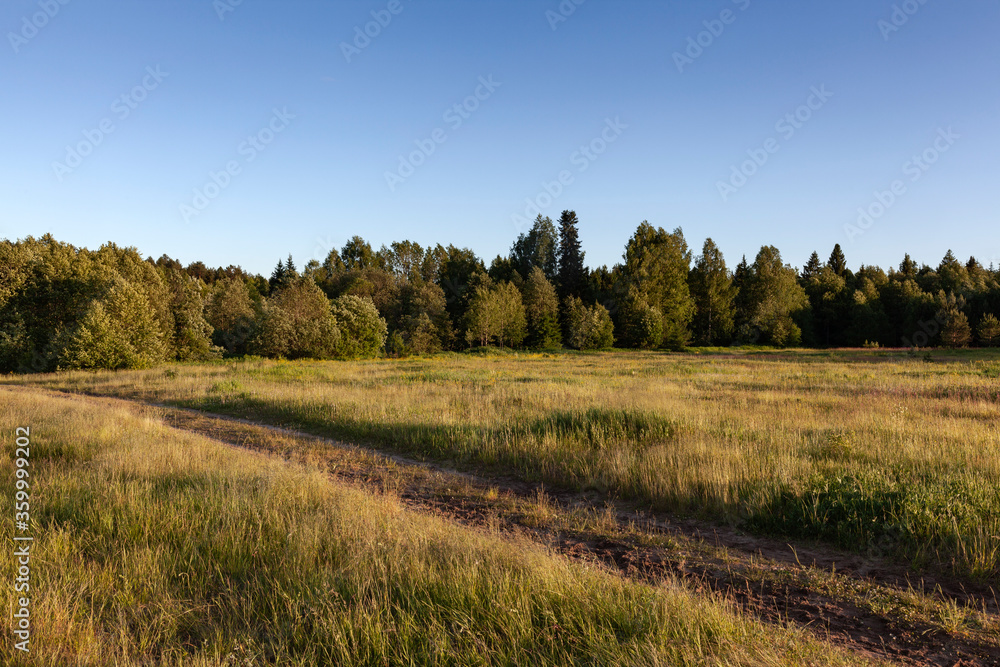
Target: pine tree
837,261
572,277
952,276
908,267
956,331
743,301
812,267
989,331
278,276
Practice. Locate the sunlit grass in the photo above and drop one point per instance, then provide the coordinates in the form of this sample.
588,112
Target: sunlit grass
155,546
880,453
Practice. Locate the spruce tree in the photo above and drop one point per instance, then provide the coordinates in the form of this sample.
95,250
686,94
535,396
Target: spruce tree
908,267
572,277
837,261
278,276
812,267
743,300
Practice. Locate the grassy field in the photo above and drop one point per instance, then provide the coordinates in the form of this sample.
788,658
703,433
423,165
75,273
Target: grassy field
877,452
156,546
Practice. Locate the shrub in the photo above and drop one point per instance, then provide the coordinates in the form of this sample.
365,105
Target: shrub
297,322
590,327
230,311
362,329
641,324
116,331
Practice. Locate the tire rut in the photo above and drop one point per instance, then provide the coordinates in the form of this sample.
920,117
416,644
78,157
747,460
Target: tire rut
439,489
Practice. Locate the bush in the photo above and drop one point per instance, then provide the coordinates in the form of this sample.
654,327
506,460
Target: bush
641,324
192,334
362,329
297,322
230,311
117,331
590,327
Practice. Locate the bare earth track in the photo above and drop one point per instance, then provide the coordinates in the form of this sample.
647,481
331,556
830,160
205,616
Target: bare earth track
810,586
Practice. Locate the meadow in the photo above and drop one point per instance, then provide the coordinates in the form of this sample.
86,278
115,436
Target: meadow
159,546
879,452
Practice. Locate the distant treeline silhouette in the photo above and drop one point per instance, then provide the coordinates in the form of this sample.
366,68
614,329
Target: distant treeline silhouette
63,307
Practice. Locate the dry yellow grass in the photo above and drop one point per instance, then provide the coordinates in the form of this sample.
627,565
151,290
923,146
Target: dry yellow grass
155,546
873,451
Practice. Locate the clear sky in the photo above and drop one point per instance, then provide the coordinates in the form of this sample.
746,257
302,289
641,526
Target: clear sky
310,127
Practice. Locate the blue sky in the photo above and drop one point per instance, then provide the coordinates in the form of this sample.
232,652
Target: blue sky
309,133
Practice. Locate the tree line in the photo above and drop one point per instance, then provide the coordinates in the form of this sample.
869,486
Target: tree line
63,307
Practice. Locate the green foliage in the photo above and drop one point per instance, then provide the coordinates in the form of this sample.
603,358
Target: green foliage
713,293
283,275
496,314
456,268
116,331
775,296
231,312
640,324
827,293
539,247
192,334
424,324
47,287
362,329
989,331
295,322
837,261
656,267
885,513
423,294
590,327
956,331
572,278
541,306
